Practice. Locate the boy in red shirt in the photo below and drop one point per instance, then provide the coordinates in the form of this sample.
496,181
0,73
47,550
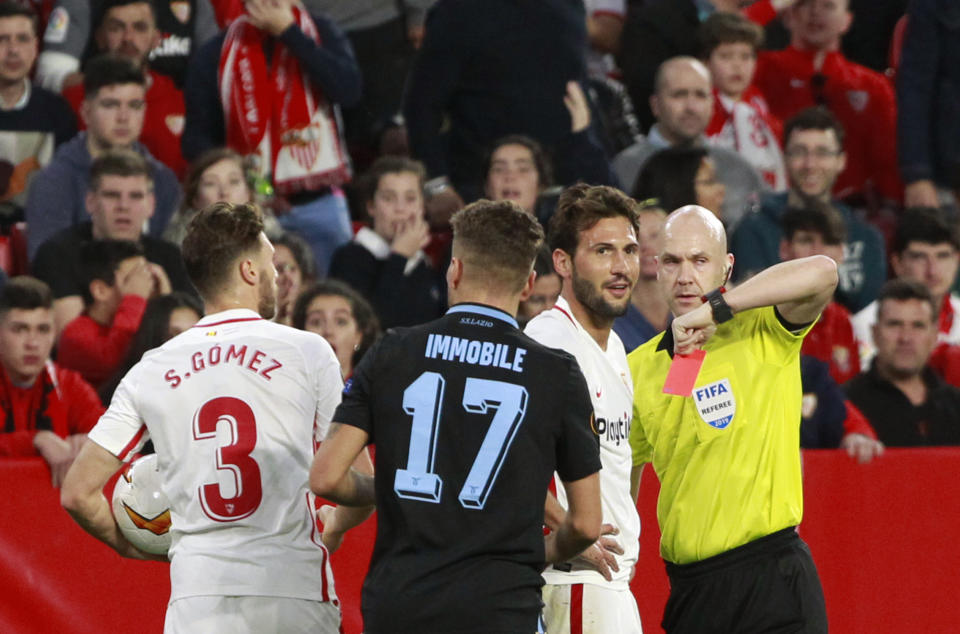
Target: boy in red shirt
118,282
45,410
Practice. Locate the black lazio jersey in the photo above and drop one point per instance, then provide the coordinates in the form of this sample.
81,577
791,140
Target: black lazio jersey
470,418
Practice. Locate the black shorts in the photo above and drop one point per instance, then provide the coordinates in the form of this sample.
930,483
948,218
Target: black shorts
769,585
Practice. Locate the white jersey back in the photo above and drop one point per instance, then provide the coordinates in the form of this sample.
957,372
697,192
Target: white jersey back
611,390
235,407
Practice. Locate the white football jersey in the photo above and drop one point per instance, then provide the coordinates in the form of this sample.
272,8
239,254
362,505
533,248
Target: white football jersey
235,407
611,391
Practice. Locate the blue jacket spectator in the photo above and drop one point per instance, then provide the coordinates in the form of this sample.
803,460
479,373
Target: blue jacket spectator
756,245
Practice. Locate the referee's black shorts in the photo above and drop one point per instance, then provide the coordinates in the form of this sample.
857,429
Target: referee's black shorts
769,585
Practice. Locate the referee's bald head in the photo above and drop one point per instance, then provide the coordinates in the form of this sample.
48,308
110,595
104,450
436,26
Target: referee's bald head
693,259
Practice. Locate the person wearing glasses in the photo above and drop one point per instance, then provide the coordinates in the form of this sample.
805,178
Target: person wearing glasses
815,157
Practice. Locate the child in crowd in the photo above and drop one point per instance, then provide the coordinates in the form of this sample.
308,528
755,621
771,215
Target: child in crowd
741,118
118,282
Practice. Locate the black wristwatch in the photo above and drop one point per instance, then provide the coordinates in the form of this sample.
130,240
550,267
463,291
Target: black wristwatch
720,307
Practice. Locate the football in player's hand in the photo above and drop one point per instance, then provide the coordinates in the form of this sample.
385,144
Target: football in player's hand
141,509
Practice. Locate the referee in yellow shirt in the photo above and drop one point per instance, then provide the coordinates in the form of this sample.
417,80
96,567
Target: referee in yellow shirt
728,454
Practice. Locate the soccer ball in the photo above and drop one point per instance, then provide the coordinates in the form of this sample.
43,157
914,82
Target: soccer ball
141,509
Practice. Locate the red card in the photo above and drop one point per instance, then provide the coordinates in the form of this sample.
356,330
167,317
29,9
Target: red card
683,373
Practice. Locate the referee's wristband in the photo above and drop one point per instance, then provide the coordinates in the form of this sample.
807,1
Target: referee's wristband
718,305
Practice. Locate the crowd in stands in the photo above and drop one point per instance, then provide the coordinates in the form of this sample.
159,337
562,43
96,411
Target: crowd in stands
807,126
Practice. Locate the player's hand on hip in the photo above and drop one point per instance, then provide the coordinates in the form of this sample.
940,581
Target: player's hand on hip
331,537
601,556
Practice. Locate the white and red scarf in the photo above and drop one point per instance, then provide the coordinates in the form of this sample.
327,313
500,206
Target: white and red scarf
748,128
276,114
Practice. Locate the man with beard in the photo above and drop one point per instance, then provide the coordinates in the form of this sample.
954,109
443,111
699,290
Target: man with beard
596,253
236,394
717,411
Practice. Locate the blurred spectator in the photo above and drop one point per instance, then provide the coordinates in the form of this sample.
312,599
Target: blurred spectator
928,97
283,115
546,288
822,409
341,316
648,313
926,249
741,117
47,410
814,151
118,282
294,263
683,105
33,121
828,418
491,68
518,169
128,28
604,26
165,317
119,202
183,26
904,400
679,176
812,71
662,29
385,261
217,175
113,109
817,229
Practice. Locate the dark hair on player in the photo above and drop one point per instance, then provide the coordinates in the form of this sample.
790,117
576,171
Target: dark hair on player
814,118
26,293
13,9
901,290
363,313
216,237
669,177
818,217
110,70
154,330
119,163
99,260
301,251
498,241
191,182
541,162
728,28
926,225
581,206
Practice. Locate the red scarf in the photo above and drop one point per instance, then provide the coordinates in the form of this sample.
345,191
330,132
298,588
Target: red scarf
276,113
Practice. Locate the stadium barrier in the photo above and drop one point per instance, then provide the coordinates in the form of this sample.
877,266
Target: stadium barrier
885,536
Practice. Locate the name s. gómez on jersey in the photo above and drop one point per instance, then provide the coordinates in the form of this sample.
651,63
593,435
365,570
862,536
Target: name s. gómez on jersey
235,407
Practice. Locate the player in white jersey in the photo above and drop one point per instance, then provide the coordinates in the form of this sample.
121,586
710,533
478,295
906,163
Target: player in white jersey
593,235
235,407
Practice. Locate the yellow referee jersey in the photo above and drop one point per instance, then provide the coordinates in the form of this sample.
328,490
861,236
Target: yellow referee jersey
728,456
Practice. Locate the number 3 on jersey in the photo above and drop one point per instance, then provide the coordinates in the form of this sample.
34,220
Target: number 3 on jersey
423,400
233,459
